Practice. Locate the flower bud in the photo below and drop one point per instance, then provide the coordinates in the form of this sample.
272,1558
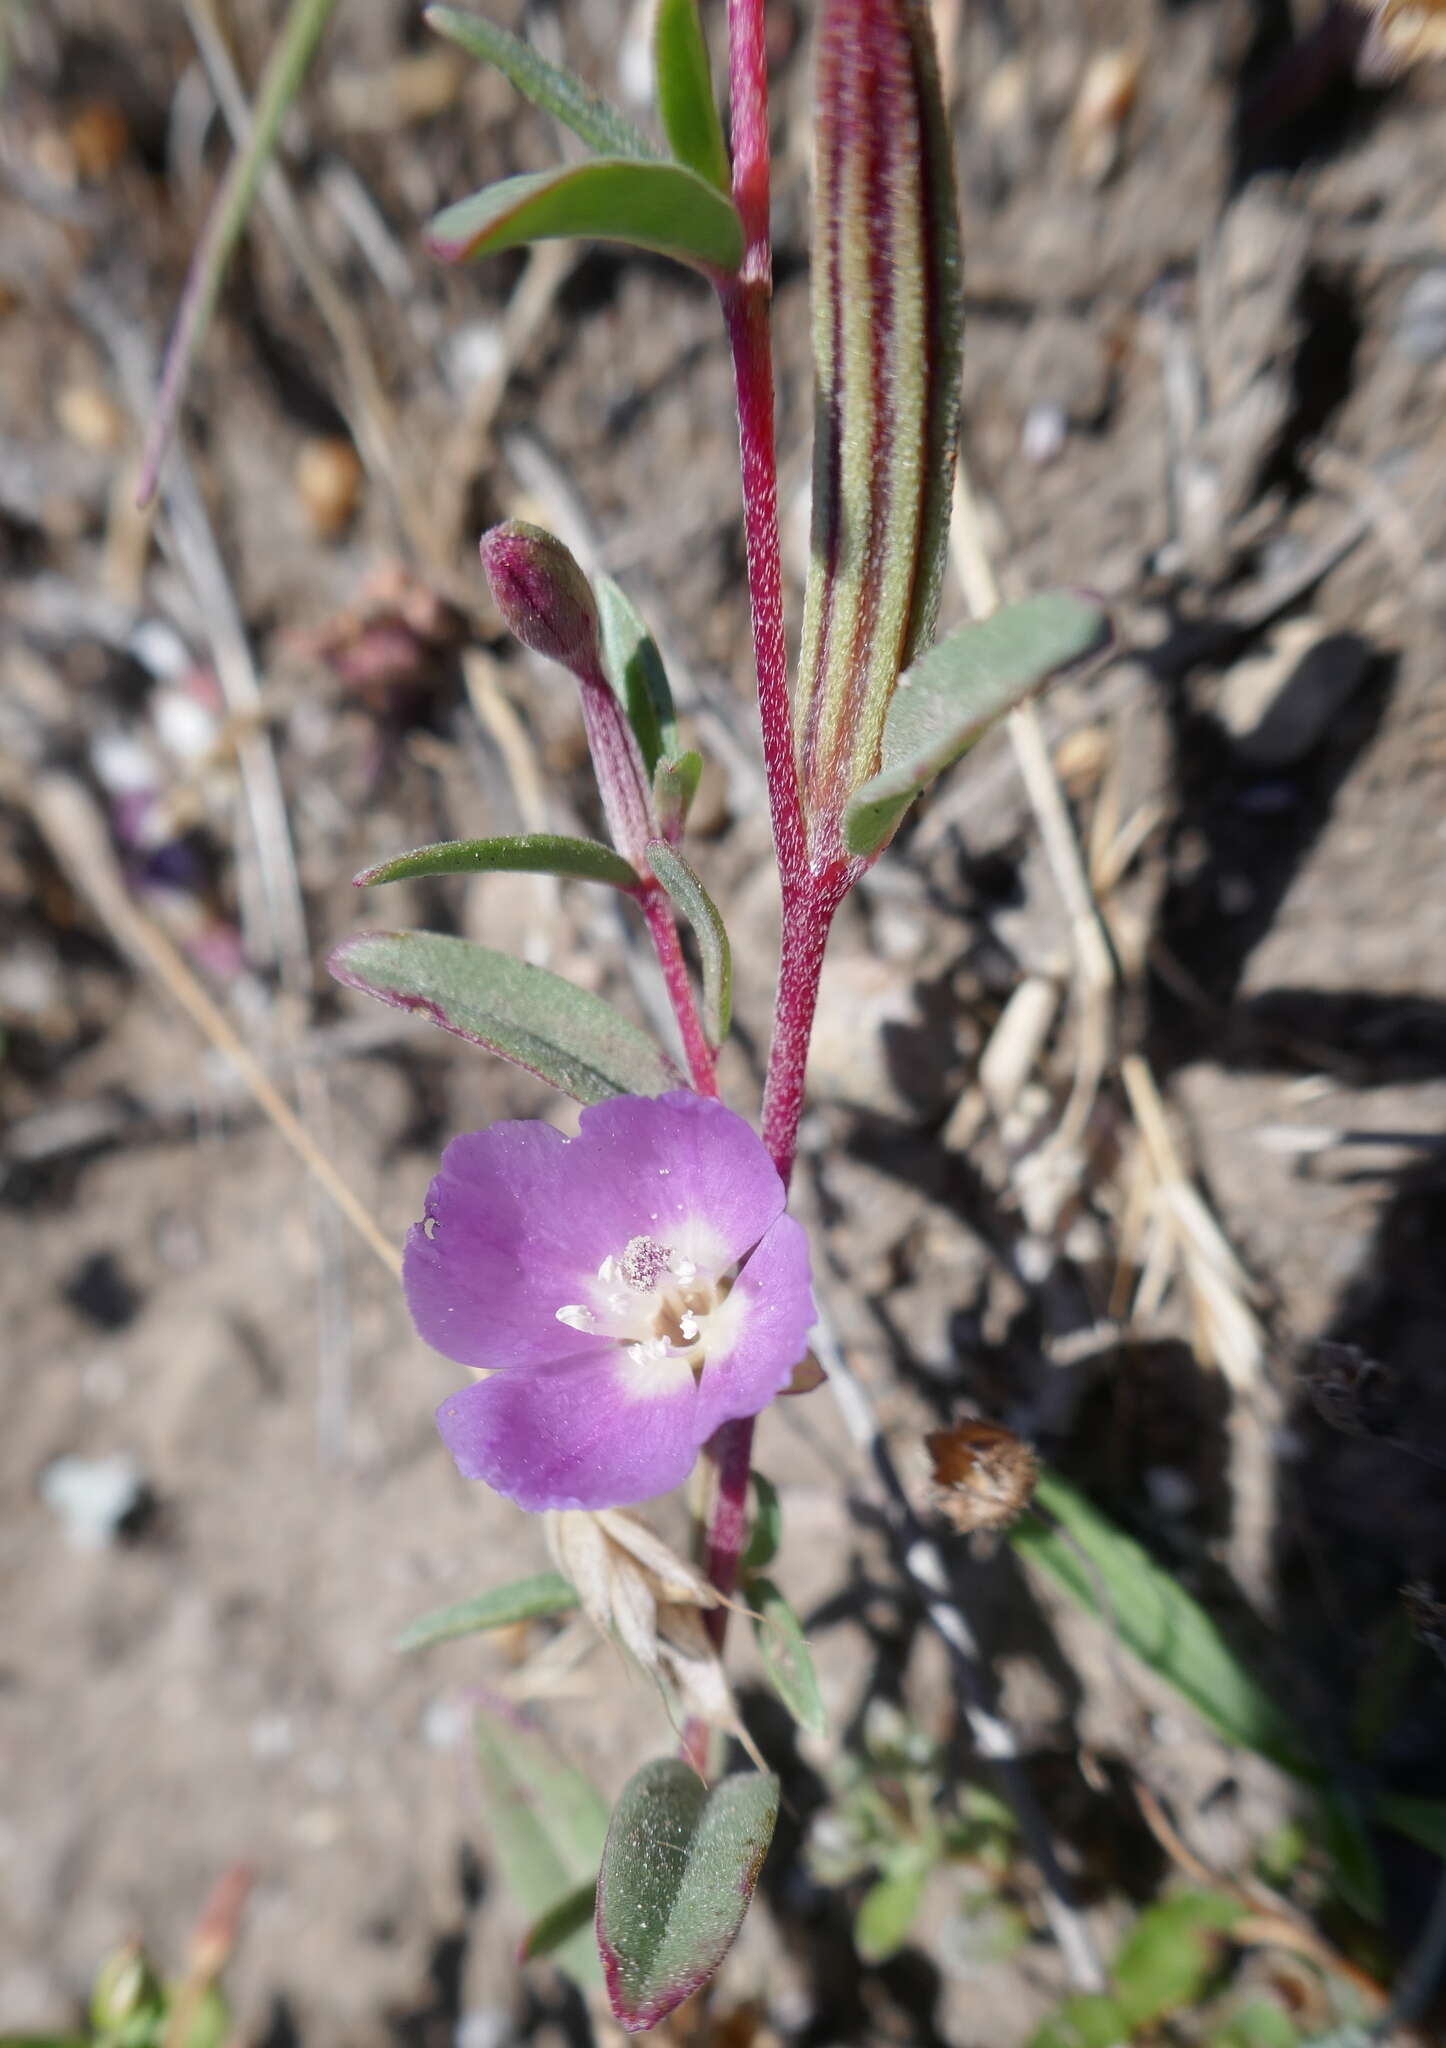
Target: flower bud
543,595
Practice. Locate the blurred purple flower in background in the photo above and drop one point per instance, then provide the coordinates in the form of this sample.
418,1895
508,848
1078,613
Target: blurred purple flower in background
628,1290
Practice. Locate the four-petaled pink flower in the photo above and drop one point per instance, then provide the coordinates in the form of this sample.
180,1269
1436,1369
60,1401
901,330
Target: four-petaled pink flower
628,1289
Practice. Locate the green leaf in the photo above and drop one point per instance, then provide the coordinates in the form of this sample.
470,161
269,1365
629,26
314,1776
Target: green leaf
634,667
767,1530
532,853
887,1911
1356,1869
675,784
783,1647
1156,1619
1171,1954
1259,2023
687,108
565,1035
692,899
570,1916
677,1874
956,691
557,92
548,1825
524,1600
1423,1820
662,207
1086,2019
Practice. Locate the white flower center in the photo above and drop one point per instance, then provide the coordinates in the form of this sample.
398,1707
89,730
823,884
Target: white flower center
653,1302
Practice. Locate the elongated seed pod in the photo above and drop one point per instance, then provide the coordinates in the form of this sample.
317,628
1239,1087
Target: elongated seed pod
887,326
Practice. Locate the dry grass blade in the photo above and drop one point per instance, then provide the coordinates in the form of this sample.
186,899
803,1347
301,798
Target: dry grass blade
1094,962
68,820
287,66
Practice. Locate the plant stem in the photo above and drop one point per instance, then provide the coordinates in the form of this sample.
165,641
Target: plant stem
745,308
664,931
808,912
730,1451
748,121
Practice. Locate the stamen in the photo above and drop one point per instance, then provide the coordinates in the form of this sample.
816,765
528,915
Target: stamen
577,1317
644,1263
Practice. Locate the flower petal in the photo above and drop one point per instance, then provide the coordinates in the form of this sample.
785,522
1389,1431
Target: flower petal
764,1325
509,1238
680,1167
575,1432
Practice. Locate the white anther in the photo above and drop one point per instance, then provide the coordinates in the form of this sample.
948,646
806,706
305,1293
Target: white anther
577,1317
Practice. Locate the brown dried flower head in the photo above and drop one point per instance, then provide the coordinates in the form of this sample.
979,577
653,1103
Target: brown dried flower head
984,1475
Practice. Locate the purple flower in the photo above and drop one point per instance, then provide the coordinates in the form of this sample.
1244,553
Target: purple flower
628,1289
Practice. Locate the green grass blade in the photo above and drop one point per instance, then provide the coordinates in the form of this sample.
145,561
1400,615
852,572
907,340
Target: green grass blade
287,66
1156,1619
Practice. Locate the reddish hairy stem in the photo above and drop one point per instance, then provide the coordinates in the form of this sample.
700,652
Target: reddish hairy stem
748,121
661,925
730,1450
808,912
745,308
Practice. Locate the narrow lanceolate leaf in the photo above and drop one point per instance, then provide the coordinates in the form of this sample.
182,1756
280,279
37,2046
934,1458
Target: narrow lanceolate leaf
687,108
886,338
634,667
524,1600
1094,1562
533,853
692,899
663,207
570,1918
548,1824
566,1036
957,690
783,1646
556,91
677,1874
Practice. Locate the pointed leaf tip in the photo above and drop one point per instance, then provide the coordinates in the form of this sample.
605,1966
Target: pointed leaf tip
558,92
532,853
678,1871
956,691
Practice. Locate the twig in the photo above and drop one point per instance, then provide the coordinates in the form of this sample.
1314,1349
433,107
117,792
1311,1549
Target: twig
67,818
1094,960
993,1737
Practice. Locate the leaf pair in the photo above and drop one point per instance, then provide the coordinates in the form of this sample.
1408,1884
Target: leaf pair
627,191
